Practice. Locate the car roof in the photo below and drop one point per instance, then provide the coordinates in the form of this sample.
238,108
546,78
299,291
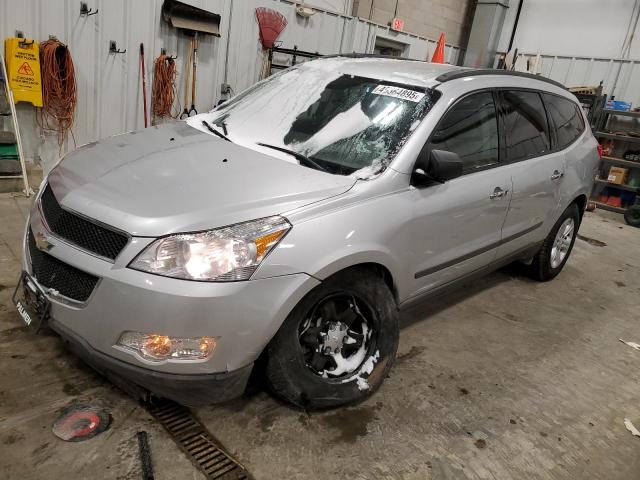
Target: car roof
429,75
392,69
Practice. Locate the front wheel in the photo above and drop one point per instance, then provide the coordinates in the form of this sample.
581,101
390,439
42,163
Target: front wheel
338,344
556,248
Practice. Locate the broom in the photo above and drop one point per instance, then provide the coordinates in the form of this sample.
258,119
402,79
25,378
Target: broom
271,24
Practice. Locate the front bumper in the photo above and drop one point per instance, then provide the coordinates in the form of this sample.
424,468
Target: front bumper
189,390
243,316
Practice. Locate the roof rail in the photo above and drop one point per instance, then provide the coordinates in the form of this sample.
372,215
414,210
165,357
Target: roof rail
472,72
369,55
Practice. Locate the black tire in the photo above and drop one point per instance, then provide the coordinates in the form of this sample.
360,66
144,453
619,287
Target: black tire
632,216
291,377
541,268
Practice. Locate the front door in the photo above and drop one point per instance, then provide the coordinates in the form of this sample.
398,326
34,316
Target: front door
456,226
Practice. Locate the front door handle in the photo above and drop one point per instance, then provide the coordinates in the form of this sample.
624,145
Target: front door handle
498,193
556,175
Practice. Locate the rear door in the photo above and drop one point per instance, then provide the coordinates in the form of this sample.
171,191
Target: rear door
455,226
536,169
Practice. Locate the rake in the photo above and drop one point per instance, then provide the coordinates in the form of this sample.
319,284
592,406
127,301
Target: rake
271,24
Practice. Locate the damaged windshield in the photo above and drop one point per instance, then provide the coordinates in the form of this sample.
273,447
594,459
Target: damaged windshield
323,118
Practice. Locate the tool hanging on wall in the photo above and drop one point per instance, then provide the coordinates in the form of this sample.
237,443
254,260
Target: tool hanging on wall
144,84
194,64
59,91
192,21
188,70
164,87
191,67
271,24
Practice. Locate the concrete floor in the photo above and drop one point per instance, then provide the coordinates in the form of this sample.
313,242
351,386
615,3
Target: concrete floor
505,379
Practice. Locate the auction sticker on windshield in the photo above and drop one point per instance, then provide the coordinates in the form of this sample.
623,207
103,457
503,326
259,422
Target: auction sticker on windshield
397,92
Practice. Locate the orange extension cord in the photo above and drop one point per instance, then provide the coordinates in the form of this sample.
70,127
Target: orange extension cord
59,94
164,88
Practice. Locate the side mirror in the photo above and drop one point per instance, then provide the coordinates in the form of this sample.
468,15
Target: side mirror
436,166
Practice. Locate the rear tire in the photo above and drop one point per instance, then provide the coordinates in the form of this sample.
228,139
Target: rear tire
353,313
556,248
632,216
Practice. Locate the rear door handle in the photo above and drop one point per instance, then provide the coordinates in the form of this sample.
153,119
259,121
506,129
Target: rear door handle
556,175
498,193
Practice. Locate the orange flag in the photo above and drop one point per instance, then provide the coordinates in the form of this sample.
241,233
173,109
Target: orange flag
438,55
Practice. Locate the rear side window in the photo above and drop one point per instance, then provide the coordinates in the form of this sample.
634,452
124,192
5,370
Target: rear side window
525,125
566,118
470,129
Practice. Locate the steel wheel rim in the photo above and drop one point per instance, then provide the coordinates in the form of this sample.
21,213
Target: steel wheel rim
562,243
336,337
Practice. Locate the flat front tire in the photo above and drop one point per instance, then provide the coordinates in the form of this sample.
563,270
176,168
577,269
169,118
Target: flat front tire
338,344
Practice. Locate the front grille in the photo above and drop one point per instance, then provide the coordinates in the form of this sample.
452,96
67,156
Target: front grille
78,230
53,273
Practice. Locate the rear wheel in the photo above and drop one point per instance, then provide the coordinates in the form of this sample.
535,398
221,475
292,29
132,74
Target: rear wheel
632,216
556,248
338,344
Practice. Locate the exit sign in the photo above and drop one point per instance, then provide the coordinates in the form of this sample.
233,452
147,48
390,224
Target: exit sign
397,24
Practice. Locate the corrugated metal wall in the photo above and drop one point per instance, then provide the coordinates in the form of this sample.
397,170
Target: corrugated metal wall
581,42
109,92
584,71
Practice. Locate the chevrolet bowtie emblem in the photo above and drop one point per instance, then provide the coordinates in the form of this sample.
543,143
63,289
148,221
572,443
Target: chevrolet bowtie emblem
42,243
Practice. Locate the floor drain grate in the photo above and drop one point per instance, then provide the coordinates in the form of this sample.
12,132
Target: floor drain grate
196,442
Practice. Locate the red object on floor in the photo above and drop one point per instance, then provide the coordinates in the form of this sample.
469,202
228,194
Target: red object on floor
81,422
438,55
271,24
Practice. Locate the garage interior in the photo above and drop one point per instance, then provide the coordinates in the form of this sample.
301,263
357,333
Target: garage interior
504,378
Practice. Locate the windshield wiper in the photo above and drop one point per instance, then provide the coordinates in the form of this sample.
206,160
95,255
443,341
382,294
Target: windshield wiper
215,132
303,159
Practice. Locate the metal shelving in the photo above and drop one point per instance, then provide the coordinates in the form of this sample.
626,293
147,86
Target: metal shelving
621,112
615,136
619,137
617,185
16,142
611,208
620,161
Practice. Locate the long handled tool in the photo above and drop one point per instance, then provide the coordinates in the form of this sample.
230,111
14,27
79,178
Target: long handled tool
187,70
144,84
194,62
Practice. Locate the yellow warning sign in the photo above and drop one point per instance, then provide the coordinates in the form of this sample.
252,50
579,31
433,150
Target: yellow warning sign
23,69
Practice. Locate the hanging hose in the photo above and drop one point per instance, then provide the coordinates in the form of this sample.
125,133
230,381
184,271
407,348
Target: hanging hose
164,87
59,94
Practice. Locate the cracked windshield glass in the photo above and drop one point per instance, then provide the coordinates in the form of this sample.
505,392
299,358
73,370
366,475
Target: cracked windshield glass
323,118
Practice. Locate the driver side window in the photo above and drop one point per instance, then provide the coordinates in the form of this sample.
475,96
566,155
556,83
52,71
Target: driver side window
470,129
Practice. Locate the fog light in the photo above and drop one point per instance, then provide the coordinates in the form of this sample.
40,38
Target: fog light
163,347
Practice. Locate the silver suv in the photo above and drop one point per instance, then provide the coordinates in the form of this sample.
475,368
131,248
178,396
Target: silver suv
288,226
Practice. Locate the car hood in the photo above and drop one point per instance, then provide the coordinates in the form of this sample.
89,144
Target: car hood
173,178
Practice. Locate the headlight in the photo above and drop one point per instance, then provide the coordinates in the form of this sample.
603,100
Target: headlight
220,255
163,347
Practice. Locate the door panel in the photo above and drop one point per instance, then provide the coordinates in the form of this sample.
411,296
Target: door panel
535,200
455,228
